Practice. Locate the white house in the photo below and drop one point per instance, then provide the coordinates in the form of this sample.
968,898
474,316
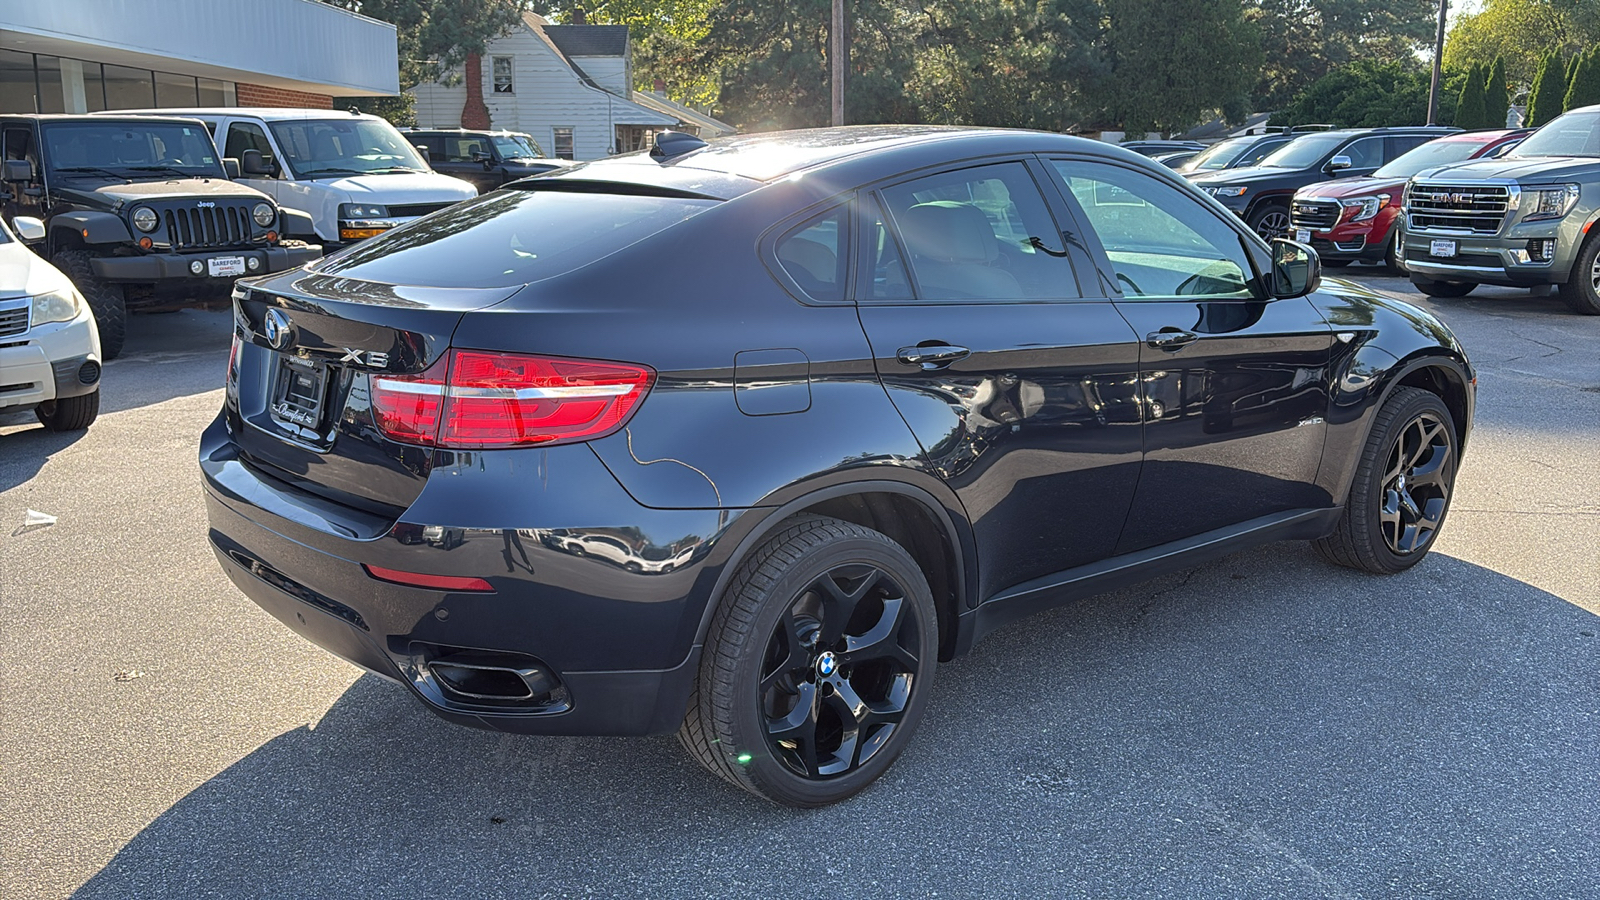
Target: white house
570,86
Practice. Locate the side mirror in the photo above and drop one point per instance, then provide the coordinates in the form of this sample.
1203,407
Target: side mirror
18,170
481,156
422,151
253,163
1340,162
230,167
28,228
1296,269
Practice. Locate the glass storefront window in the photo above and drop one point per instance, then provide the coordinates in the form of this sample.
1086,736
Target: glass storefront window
176,90
16,82
129,88
51,100
216,93
94,86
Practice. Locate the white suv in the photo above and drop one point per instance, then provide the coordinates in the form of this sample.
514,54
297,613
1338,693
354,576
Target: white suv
49,346
353,174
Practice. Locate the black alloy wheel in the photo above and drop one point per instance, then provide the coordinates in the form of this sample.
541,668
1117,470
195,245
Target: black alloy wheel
1271,221
1401,491
817,666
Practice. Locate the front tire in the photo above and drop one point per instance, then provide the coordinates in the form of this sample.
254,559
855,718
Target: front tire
1582,290
1270,220
1391,256
1402,487
1444,288
107,301
817,667
69,413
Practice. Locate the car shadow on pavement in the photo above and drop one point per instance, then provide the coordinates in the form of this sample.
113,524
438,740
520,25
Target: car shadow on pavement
168,355
23,453
1265,725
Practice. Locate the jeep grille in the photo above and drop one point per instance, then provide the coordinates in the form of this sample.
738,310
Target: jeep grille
192,227
1478,208
14,321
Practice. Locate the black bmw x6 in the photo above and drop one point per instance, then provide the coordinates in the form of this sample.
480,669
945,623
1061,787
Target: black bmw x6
738,440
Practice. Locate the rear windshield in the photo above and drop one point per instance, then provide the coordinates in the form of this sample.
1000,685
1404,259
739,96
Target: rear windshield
511,237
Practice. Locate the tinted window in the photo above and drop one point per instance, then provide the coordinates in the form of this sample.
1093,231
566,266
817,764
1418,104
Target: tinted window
92,148
1366,153
511,237
815,254
244,136
1161,242
980,234
884,273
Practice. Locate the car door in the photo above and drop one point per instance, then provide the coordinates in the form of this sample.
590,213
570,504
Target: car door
1019,388
464,158
241,135
1233,385
19,141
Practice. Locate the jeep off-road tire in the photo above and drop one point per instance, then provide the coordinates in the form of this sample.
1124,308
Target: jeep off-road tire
69,413
1582,290
107,301
1402,487
817,666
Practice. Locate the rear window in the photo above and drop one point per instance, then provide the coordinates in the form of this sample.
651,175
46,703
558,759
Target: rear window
509,238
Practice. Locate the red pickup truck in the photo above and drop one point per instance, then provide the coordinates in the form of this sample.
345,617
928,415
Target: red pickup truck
1358,218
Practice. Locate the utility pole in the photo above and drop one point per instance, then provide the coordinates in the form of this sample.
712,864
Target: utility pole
1438,60
837,58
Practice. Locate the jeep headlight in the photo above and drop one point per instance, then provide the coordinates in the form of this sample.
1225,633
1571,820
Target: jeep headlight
1550,203
144,219
56,306
263,214
362,211
1236,191
1364,207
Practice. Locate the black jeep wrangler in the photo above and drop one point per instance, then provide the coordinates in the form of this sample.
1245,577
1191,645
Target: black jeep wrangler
141,213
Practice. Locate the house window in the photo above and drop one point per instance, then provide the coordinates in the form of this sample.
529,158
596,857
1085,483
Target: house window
563,142
503,83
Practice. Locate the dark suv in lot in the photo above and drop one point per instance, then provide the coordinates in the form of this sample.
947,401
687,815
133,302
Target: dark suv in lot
488,159
739,440
140,212
1261,194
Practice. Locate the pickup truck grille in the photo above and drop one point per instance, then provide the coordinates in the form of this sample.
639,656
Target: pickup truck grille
193,228
14,321
1479,208
402,210
1320,215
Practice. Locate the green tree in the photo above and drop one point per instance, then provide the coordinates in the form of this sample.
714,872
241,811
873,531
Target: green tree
665,34
1303,40
1365,94
1170,63
1470,108
1548,92
1584,89
436,36
1520,31
1496,95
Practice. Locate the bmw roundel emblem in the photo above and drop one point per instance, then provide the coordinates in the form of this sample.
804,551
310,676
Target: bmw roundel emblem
826,664
276,328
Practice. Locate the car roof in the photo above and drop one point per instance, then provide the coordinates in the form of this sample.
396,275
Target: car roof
410,130
264,113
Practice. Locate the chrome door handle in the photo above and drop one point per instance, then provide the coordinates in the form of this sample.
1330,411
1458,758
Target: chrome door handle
932,356
1170,340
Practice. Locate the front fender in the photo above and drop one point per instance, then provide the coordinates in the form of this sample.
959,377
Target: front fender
89,227
296,225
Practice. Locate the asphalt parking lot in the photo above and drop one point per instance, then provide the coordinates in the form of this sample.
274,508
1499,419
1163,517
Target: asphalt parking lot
1264,726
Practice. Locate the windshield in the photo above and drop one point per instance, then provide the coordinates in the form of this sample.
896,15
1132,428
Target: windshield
517,146
1574,134
1304,152
324,147
1433,153
1218,155
130,151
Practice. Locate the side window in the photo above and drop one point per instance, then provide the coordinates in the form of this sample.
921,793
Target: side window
816,254
884,275
244,136
1366,153
461,149
19,145
1399,145
433,142
1161,242
1259,152
983,233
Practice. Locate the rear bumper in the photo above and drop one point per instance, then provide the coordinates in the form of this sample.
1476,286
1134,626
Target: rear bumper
175,266
621,641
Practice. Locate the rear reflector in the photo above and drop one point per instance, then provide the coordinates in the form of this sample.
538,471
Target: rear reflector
473,399
432,582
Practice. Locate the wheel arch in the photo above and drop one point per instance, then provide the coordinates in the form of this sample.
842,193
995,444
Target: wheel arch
936,535
1442,376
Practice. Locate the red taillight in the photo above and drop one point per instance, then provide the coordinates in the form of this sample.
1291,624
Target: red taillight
476,399
432,582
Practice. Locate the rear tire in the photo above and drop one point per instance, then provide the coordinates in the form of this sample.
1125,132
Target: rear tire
107,301
817,666
1402,487
69,413
1582,290
1445,288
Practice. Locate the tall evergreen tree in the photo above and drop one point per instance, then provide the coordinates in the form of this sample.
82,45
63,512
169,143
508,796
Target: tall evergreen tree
1470,108
1496,96
1584,89
1549,91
